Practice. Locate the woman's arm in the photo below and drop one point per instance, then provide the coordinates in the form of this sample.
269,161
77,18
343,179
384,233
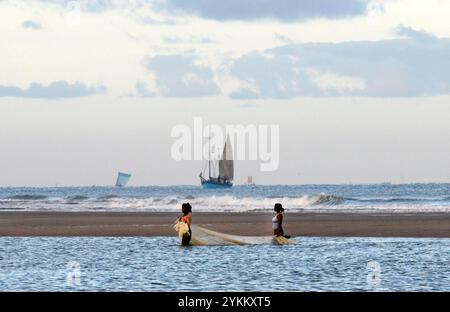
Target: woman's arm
280,219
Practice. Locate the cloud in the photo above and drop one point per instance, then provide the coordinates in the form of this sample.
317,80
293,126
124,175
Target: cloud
417,65
282,10
409,32
244,94
190,39
148,20
281,38
270,76
180,76
92,6
333,82
55,90
32,25
143,90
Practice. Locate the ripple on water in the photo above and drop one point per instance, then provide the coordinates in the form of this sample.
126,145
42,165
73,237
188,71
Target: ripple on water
159,264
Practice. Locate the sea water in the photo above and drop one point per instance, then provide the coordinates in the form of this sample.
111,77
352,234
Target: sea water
341,198
160,264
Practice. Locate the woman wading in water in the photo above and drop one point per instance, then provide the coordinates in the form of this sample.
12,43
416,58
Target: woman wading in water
186,218
277,221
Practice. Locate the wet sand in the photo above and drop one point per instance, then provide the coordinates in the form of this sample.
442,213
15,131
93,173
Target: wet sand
249,223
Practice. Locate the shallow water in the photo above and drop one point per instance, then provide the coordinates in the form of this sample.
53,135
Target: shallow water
159,264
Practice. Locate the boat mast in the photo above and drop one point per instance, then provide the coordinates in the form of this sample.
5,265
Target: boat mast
209,158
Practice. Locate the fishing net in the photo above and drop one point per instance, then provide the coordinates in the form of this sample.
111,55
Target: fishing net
182,228
206,237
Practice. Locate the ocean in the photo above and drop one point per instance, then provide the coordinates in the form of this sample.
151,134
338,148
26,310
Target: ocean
315,198
160,264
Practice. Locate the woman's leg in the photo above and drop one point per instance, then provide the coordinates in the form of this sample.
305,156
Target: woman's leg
186,238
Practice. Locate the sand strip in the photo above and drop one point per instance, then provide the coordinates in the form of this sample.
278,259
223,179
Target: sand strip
249,223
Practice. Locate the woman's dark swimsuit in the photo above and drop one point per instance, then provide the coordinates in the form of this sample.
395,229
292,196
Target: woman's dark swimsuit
280,231
186,238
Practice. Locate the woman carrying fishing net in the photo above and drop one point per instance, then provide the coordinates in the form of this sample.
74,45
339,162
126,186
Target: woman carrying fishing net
207,237
277,221
183,225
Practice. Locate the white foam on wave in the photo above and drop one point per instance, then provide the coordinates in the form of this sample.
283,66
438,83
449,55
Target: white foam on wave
223,203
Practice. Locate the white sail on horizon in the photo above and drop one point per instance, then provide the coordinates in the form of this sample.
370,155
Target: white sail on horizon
122,179
226,164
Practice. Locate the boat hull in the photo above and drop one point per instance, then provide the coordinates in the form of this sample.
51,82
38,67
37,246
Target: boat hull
215,185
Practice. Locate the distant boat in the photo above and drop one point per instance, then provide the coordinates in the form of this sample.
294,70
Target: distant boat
226,170
122,179
250,180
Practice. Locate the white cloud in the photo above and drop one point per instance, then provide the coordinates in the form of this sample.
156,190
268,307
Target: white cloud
181,76
113,37
414,66
282,10
332,82
143,89
55,90
32,25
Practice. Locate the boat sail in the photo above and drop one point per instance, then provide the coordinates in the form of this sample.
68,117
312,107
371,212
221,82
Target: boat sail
226,170
122,179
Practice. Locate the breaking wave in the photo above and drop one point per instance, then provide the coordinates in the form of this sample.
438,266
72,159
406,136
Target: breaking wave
237,200
169,203
324,199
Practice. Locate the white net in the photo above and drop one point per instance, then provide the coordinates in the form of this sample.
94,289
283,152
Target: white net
206,237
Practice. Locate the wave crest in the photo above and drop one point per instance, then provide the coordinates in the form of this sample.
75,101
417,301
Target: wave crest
325,199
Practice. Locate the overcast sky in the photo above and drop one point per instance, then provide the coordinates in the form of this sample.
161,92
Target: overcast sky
359,88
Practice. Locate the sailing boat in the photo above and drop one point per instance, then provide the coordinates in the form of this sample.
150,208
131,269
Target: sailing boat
226,170
122,179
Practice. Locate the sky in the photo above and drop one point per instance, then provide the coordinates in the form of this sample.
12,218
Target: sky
360,89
